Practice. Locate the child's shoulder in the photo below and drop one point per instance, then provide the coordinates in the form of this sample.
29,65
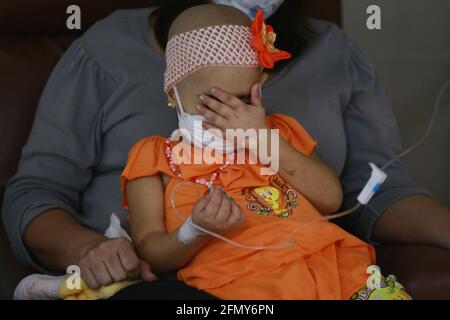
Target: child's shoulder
145,158
146,145
284,123
278,118
293,132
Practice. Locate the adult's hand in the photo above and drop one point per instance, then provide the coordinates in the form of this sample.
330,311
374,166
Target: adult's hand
106,261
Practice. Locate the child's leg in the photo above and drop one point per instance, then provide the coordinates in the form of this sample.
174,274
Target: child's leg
39,287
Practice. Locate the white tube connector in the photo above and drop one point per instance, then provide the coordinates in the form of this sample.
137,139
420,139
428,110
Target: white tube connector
373,185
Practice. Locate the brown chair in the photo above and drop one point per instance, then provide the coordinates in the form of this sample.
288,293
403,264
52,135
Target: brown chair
33,37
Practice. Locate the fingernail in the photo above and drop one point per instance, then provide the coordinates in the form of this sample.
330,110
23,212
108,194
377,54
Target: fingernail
202,97
199,107
213,90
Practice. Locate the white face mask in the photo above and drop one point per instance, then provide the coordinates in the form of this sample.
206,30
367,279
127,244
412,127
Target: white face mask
193,131
250,7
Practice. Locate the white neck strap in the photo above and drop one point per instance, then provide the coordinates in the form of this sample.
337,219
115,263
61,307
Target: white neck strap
180,108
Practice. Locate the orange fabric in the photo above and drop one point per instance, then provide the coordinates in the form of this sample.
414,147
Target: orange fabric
325,263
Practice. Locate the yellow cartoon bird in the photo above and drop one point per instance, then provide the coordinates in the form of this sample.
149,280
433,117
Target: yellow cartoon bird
271,195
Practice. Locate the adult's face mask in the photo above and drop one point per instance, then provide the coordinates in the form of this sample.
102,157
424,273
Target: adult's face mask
250,7
192,130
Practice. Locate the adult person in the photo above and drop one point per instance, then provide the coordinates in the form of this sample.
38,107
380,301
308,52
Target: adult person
102,96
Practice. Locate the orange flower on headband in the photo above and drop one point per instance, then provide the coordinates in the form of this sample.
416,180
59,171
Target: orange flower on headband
264,42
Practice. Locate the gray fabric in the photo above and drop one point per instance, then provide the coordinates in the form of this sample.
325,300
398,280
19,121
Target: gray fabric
106,93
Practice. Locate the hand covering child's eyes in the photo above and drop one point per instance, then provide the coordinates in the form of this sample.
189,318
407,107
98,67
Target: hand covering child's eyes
246,99
226,111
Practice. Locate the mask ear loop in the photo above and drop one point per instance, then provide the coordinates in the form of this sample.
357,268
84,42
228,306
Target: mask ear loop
179,106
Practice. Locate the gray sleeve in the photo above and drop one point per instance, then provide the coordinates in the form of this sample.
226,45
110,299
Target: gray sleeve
63,147
372,136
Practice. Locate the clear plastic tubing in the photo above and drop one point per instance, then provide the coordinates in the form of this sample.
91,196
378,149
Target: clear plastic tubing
289,243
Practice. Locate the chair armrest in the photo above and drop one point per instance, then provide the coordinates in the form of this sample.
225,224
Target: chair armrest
423,270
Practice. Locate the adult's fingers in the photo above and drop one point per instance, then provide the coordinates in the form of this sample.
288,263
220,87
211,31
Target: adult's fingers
129,260
89,279
101,273
115,268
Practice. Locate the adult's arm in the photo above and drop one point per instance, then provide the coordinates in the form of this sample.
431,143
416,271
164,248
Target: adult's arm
415,220
401,210
57,240
56,163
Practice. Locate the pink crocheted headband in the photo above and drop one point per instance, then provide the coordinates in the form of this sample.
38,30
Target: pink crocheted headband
221,45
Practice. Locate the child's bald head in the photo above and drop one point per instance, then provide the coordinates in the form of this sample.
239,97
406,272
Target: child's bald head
236,80
207,15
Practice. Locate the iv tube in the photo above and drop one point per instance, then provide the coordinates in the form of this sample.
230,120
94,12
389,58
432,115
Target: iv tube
289,242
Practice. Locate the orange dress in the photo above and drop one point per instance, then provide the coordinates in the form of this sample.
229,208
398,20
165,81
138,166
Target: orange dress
326,262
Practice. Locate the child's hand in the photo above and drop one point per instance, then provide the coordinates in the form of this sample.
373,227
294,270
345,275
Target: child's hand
217,212
225,111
